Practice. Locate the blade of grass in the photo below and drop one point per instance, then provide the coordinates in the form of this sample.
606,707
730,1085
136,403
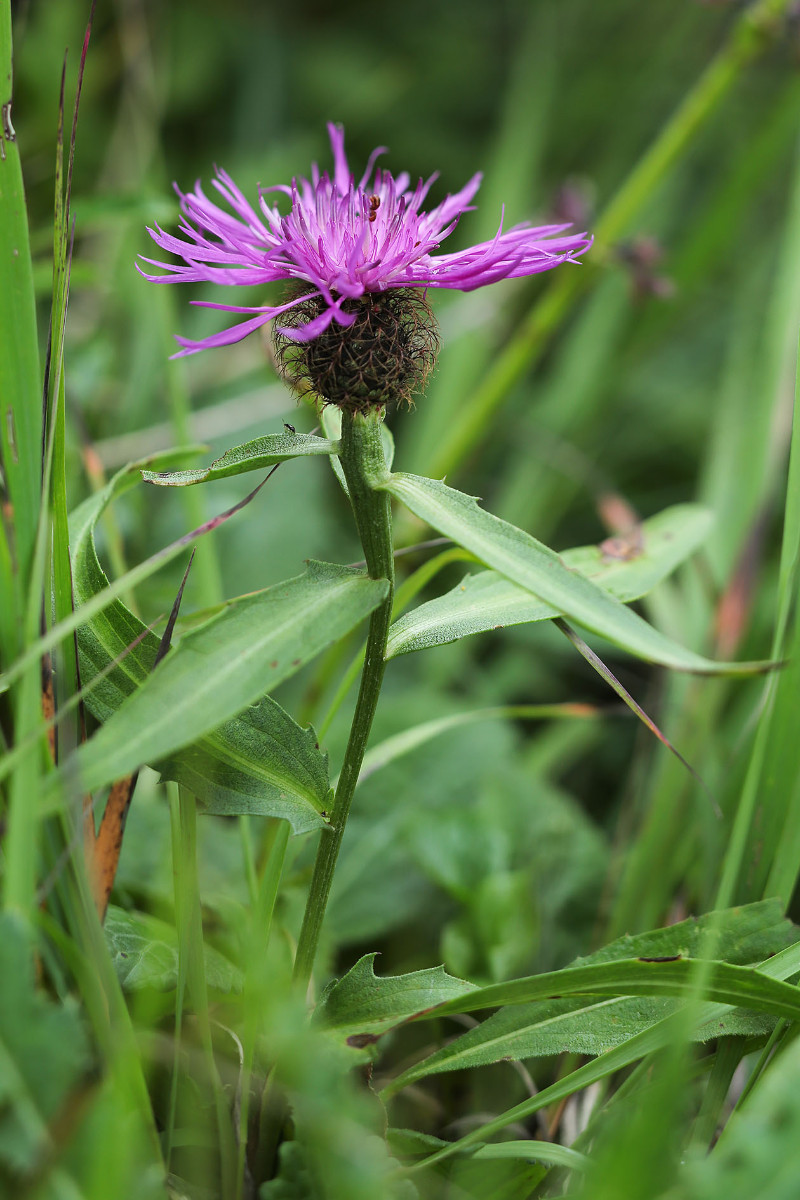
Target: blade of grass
748,37
598,665
191,966
258,982
119,587
761,786
395,747
780,966
20,387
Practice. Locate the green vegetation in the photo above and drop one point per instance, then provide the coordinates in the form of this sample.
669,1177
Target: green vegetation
553,950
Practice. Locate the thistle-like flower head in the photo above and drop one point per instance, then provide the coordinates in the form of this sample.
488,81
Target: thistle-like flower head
341,243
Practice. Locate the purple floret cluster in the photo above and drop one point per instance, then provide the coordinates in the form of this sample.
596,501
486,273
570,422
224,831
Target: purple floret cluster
342,239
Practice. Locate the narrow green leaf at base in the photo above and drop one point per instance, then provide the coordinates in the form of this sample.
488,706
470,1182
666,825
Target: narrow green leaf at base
259,762
407,1143
627,995
220,668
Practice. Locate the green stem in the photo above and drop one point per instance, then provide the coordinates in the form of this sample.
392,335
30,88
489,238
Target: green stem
361,456
403,597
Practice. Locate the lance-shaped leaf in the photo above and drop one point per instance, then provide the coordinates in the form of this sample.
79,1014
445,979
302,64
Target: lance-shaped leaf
538,1017
538,569
260,762
603,1021
223,666
671,976
780,966
487,600
251,456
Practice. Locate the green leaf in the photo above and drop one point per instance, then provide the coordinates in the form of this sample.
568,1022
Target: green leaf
487,600
549,1153
727,984
43,1051
555,1024
218,669
408,1143
539,570
602,1023
264,747
252,456
259,762
144,951
363,1003
780,966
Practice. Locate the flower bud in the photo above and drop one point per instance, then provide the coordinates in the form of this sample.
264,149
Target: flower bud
385,356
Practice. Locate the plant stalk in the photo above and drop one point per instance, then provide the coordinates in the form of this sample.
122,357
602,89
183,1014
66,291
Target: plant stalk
362,460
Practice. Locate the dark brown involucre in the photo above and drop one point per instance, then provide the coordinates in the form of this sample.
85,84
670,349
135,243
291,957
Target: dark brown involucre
384,357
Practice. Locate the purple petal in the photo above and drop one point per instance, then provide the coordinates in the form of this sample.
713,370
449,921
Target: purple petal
227,337
341,169
454,205
373,158
306,333
341,239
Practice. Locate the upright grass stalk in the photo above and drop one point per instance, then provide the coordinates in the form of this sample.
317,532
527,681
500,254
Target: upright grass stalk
191,969
361,456
748,36
761,784
21,454
258,984
20,385
81,945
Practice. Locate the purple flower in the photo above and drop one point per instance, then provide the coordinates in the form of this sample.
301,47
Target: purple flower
342,239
